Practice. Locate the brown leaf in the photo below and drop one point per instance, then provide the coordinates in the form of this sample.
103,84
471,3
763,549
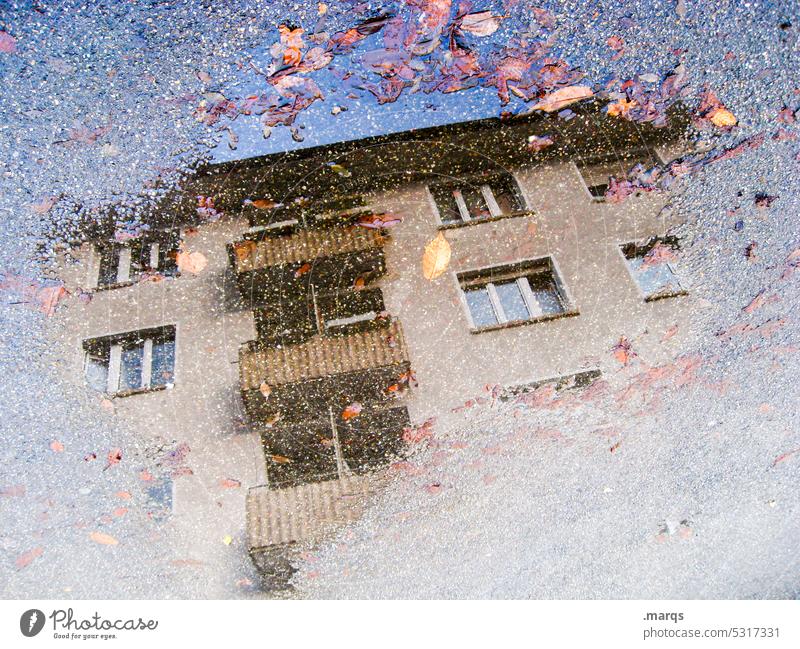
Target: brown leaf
281,459
103,539
230,483
436,257
243,249
480,23
562,97
265,390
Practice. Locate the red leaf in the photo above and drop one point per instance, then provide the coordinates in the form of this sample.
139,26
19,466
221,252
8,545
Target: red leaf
25,559
230,483
353,410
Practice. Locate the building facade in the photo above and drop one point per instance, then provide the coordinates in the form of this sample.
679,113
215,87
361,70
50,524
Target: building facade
291,318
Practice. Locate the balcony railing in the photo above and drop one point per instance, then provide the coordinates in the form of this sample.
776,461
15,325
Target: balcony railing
303,246
320,357
277,517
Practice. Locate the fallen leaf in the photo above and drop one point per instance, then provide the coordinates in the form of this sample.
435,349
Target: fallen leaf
281,459
191,262
339,169
103,539
305,268
57,446
436,257
25,559
723,118
562,97
146,476
353,410
622,351
227,539
265,390
125,495
230,483
243,249
114,457
264,204
480,23
44,205
120,511
785,456
8,44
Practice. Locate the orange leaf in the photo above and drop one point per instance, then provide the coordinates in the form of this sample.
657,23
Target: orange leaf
120,511
103,539
436,257
280,459
57,446
230,483
563,97
191,262
353,410
125,495
243,249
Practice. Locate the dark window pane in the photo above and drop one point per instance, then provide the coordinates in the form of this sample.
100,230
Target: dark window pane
598,191
163,367
480,307
98,354
446,202
130,372
545,292
109,265
511,301
506,194
475,202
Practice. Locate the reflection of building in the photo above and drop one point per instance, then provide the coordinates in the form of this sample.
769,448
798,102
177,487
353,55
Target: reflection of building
311,308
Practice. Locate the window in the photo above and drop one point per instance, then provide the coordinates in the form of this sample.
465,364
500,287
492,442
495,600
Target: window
153,252
652,268
519,293
596,175
477,198
131,362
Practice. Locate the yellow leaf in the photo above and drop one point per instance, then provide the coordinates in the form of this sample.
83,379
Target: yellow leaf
103,539
723,118
191,262
563,97
227,539
436,257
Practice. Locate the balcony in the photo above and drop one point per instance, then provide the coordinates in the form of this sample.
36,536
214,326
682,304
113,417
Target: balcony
278,519
284,267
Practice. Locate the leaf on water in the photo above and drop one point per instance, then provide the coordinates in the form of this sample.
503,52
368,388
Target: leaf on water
44,205
227,539
305,268
26,558
103,538
230,483
623,351
339,169
480,23
191,262
114,457
538,143
352,411
436,257
56,446
265,390
8,44
281,459
263,204
562,97
723,118
243,249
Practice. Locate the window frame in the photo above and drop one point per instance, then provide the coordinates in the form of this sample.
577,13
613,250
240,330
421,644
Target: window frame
518,271
643,243
643,154
126,274
486,191
116,342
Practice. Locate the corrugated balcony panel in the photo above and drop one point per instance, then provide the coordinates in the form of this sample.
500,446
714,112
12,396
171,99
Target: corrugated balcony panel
306,513
303,246
336,272
311,399
320,357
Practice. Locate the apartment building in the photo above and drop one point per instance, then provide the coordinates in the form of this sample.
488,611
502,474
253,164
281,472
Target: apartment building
277,319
